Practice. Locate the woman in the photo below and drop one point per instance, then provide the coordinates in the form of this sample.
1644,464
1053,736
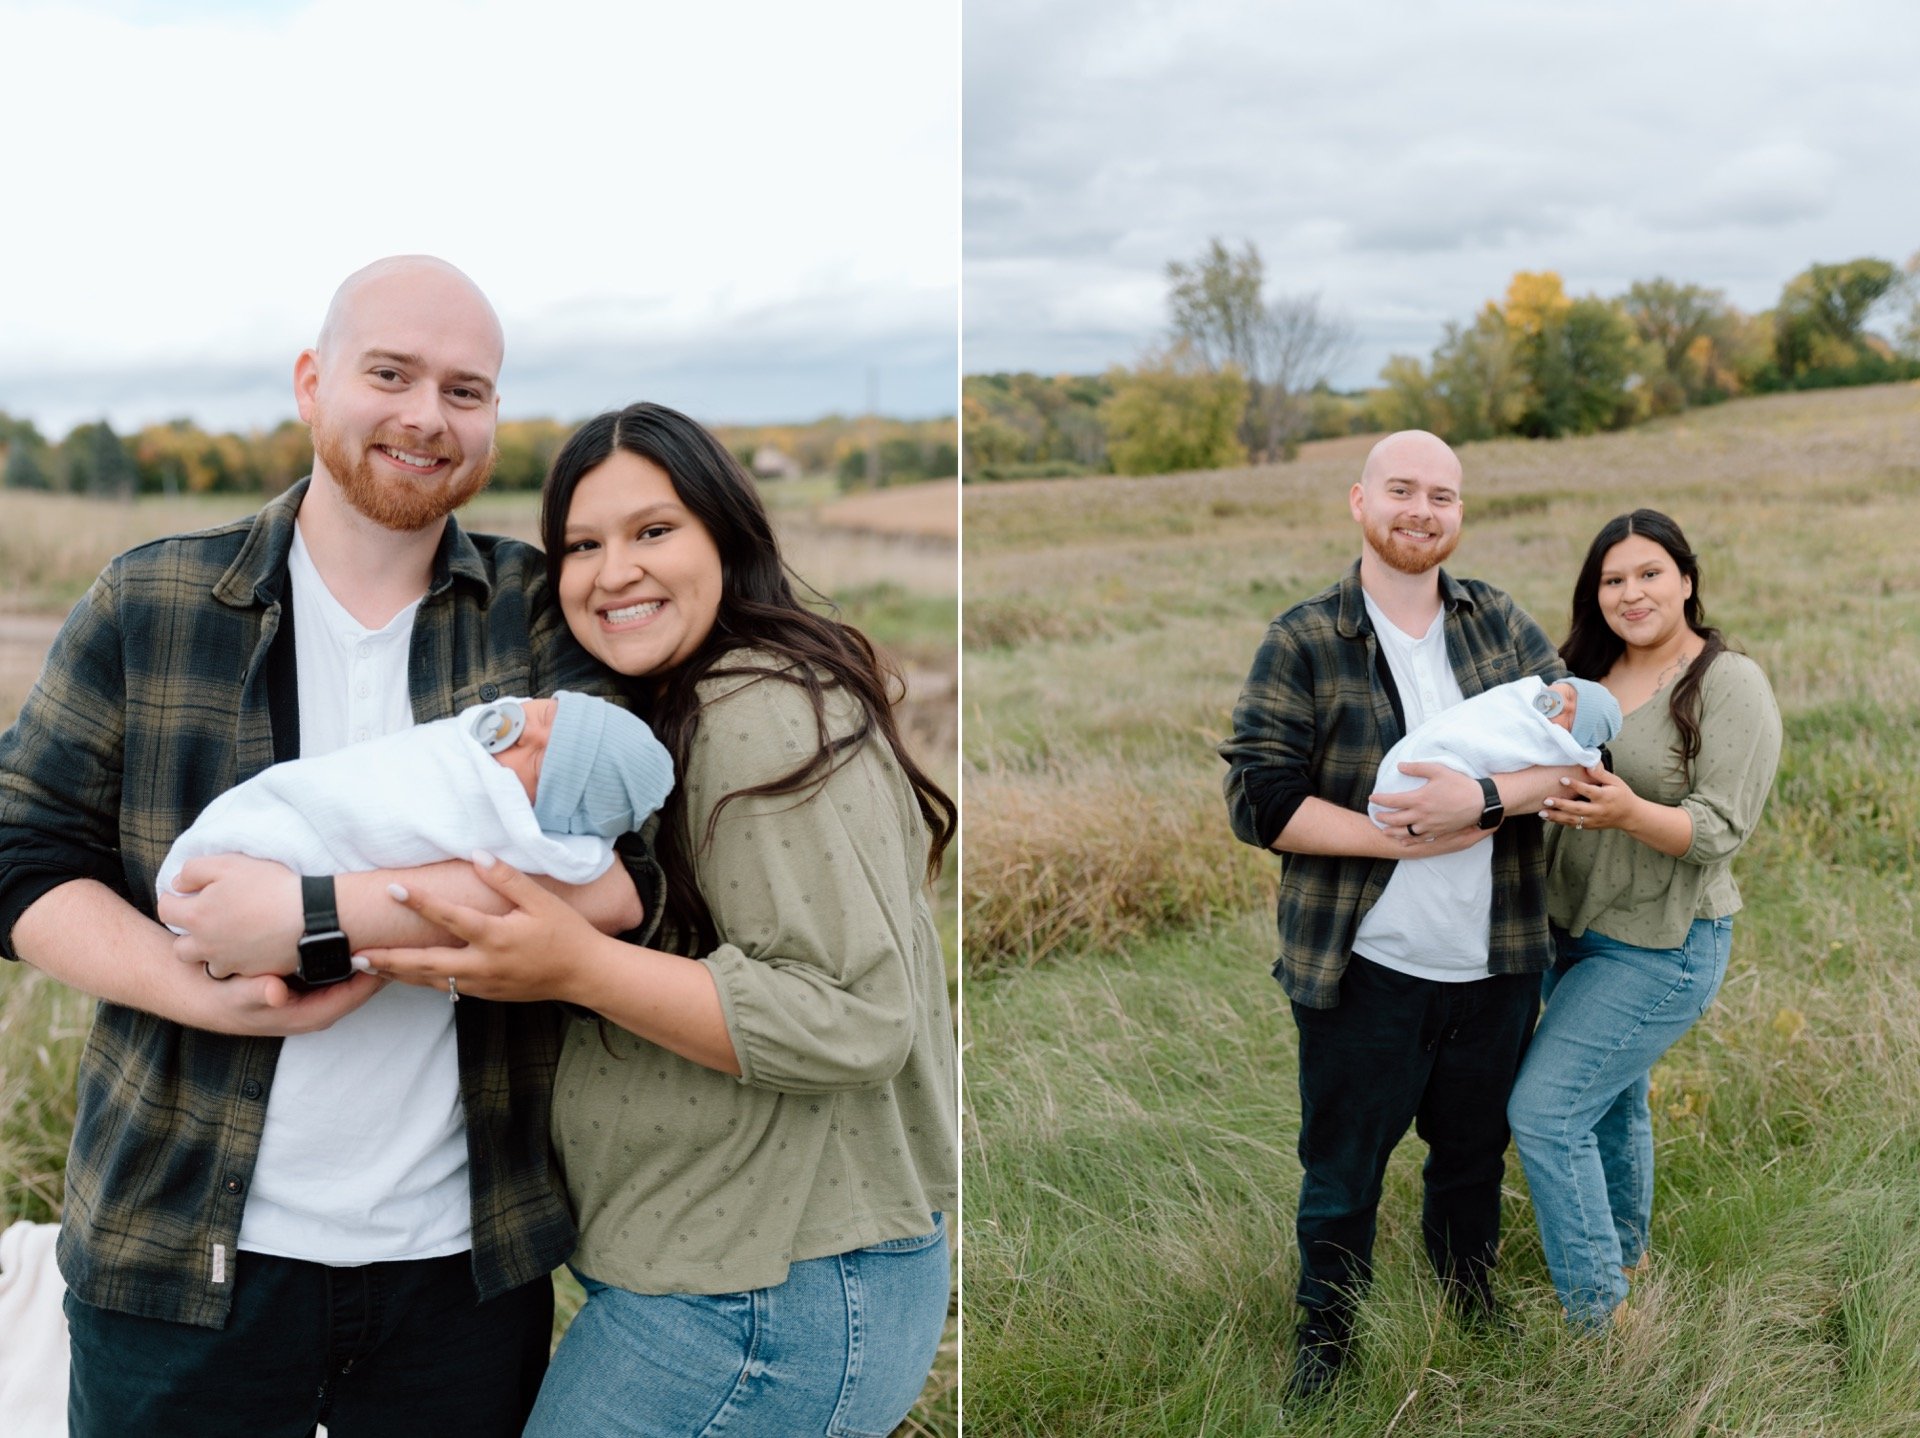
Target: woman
1640,893
756,1119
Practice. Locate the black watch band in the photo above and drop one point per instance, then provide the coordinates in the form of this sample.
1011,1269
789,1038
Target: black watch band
1494,811
325,955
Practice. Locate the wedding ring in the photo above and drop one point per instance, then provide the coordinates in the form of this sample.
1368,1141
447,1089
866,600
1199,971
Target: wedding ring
453,990
1577,823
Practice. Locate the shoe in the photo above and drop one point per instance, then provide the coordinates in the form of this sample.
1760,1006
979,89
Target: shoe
1318,1360
1480,1313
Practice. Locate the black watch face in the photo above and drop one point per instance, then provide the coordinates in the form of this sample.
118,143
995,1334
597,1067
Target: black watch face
325,959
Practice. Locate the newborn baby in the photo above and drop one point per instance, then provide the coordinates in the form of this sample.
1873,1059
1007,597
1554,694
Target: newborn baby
1511,726
546,784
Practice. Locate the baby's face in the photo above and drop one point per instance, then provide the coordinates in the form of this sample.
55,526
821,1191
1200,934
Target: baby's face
1564,718
524,755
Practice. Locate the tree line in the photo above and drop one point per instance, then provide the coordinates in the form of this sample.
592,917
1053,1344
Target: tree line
1241,378
179,457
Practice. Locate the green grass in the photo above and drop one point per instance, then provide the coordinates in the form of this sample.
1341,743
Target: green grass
1131,1098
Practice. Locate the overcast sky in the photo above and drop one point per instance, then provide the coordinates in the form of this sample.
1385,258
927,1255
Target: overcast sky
740,208
1405,159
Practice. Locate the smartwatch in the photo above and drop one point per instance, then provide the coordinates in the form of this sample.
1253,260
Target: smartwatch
325,955
1490,815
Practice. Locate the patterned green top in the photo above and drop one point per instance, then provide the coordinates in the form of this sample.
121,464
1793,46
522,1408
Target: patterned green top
1610,882
840,1132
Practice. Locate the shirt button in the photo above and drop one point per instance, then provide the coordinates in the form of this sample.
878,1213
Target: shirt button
362,691
232,1185
250,1089
489,692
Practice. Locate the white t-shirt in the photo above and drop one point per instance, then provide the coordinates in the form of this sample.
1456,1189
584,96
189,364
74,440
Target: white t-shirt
364,1154
1434,917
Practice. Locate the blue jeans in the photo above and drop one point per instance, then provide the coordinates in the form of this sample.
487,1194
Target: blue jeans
1579,1107
842,1348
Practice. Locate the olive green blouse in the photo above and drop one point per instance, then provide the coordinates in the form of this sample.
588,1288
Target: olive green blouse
841,1130
1602,879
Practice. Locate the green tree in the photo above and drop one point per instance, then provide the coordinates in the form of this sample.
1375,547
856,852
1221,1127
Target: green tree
1407,398
1820,322
1479,378
1686,328
27,463
98,463
1171,413
1580,370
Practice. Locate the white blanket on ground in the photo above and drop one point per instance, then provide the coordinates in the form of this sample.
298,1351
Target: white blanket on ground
33,1334
1494,732
415,797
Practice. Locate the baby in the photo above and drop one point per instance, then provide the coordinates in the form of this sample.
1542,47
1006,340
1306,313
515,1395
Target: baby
1511,726
546,784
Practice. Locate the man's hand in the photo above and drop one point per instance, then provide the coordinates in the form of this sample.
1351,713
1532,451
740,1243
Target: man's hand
264,1006
1446,804
242,916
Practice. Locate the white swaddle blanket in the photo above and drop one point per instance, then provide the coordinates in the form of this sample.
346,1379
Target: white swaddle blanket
1493,732
33,1334
414,797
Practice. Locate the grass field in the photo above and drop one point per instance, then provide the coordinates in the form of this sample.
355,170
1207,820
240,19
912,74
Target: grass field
1131,1104
899,587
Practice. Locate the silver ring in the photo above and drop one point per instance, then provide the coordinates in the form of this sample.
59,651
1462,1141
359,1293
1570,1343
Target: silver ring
453,990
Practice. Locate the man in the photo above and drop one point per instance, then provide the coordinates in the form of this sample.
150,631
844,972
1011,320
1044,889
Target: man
1413,985
314,1201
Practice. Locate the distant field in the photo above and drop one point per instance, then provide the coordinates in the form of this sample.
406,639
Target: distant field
1131,1101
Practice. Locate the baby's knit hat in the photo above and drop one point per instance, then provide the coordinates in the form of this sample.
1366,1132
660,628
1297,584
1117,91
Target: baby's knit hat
604,772
1595,721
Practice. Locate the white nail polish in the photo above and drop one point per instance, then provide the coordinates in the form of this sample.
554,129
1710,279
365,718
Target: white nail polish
398,892
483,859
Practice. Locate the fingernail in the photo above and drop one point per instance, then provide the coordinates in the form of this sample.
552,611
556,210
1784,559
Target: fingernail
362,964
399,892
483,858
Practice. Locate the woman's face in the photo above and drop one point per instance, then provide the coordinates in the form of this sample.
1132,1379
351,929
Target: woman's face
640,577
1643,594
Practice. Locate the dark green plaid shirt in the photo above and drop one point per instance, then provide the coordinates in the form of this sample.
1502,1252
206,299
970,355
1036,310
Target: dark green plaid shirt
1317,715
154,700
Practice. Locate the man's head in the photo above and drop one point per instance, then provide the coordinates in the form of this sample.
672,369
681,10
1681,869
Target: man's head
399,391
1407,501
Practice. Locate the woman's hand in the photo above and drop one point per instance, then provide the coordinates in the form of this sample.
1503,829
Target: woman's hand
1602,800
535,950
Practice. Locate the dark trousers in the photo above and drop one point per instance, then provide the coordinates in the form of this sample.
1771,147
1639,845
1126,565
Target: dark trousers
399,1349
1400,1050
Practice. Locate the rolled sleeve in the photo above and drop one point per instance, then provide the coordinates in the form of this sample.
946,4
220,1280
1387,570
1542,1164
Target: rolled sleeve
60,765
812,893
1740,738
1269,757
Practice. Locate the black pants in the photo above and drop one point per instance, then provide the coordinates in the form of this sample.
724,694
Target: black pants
399,1349
1397,1051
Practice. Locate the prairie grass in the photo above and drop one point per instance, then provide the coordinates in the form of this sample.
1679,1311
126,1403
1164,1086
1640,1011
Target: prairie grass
1131,1103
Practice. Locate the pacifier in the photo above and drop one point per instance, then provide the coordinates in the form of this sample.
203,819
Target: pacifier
499,726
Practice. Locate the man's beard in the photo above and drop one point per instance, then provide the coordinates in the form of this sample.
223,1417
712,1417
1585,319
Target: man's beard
394,503
1408,558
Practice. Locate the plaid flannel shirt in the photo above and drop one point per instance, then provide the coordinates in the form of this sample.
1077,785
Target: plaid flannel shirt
1317,715
154,700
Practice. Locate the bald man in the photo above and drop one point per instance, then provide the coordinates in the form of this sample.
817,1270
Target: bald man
1413,986
294,1196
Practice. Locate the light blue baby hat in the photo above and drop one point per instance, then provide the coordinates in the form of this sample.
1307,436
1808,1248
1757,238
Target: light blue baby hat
1595,721
604,772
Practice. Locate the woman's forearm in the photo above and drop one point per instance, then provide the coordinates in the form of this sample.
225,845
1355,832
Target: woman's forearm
1661,827
660,997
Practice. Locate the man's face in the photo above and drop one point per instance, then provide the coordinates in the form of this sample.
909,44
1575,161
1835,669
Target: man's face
1410,513
401,399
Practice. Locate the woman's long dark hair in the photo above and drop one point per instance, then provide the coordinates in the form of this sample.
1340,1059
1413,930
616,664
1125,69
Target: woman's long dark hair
758,610
1592,647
